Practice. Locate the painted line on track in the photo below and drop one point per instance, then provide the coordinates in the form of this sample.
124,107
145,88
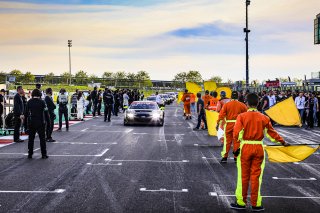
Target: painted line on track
104,164
57,191
151,161
62,155
313,164
84,130
164,190
214,194
84,143
205,145
293,178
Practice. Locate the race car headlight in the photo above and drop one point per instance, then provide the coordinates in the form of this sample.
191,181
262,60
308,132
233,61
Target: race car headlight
130,114
155,115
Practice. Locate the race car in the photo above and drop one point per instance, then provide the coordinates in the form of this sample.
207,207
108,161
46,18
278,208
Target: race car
153,98
144,112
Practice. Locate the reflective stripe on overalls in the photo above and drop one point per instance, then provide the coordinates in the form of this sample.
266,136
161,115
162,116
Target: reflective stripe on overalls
239,192
224,150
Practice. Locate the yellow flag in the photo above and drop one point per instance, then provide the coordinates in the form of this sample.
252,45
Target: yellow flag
226,89
289,154
180,94
212,118
210,85
193,87
285,113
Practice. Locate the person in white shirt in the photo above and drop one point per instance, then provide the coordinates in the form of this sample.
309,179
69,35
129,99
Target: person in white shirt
158,98
272,99
300,102
80,106
125,101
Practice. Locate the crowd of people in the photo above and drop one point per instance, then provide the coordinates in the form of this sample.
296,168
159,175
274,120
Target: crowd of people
36,114
244,123
307,103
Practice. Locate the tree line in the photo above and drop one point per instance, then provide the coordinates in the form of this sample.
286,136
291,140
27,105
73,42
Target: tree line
141,78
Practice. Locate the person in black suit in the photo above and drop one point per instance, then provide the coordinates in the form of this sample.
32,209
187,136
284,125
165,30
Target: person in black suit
51,117
2,103
36,111
94,98
18,112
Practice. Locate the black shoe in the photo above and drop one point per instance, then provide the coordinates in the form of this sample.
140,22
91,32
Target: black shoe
224,160
190,117
45,156
29,156
257,209
19,141
235,160
51,140
196,129
237,206
59,130
187,118
109,121
105,120
67,129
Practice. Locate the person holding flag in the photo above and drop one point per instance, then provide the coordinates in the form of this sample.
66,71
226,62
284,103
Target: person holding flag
213,101
248,133
222,101
228,115
186,101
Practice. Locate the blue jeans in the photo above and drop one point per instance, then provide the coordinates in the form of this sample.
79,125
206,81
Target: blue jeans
193,108
301,111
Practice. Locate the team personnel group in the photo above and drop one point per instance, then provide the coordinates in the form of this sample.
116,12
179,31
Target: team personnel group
243,120
37,115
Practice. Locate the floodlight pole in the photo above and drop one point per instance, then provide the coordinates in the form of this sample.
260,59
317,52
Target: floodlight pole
247,31
70,45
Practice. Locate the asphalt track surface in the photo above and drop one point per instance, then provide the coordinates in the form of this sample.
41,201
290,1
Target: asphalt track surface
106,167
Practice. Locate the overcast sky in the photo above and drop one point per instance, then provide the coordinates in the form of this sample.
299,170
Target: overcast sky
163,37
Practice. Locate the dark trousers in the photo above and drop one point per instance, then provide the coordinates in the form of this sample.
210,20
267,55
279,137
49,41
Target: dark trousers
89,107
201,117
32,134
99,108
49,126
116,109
64,112
310,119
95,107
107,112
17,126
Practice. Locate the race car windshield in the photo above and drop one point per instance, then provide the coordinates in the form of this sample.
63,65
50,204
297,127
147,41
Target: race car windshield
151,98
143,106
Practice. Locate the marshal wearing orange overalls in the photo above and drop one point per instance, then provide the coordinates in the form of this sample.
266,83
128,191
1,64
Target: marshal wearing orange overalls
206,99
186,104
249,132
228,115
213,102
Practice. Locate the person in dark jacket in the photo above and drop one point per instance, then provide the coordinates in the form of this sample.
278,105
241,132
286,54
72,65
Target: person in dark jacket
94,98
2,103
24,123
18,112
51,115
116,103
108,103
36,110
100,94
62,101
